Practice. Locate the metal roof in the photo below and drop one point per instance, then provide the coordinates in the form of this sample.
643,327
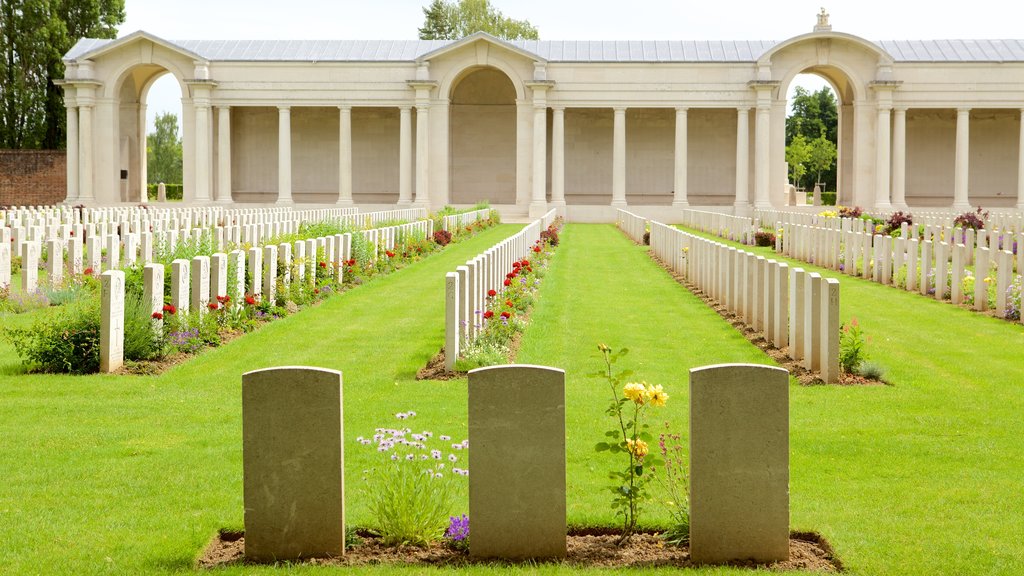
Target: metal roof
563,50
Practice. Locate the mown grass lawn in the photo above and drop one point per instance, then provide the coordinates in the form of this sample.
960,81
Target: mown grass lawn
135,474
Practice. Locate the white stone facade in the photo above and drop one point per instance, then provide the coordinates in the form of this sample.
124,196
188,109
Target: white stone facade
584,127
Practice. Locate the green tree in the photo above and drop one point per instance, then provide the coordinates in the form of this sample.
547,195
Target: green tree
454,19
163,151
34,36
822,156
814,115
798,153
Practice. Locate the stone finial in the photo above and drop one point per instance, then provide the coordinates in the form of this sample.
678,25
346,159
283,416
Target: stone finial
823,24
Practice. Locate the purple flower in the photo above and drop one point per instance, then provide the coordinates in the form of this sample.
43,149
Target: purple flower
458,528
435,454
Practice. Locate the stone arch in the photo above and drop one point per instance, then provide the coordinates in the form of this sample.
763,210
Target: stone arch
458,73
482,134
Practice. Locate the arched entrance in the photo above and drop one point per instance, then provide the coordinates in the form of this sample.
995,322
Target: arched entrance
482,125
130,154
841,133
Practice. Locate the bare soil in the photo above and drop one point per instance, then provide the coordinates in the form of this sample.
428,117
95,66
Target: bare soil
587,548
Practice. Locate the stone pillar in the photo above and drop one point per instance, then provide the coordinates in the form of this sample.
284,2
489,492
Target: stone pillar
538,199
517,423
619,159
558,158
422,196
293,462
742,203
1020,167
882,159
899,159
681,156
224,154
345,156
762,148
72,148
111,321
85,147
405,156
284,155
739,463
963,137
202,143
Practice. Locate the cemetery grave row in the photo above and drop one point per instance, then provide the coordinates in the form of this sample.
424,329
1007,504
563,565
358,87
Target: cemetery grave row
795,311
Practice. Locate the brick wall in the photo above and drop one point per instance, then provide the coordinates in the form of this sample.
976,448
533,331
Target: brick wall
32,177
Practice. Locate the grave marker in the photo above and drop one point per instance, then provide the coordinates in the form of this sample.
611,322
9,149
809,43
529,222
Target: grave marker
111,321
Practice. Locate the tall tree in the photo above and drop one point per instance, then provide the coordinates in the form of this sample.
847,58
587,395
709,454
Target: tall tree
822,156
163,151
34,36
798,153
454,19
815,114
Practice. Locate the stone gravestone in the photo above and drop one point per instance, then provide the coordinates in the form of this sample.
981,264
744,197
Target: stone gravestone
451,318
830,331
517,487
293,459
161,192
812,321
29,267
111,321
739,463
54,263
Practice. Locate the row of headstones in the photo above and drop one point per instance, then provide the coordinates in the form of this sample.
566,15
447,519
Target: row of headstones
735,228
929,265
293,462
142,246
463,219
466,289
794,310
632,225
195,282
1010,222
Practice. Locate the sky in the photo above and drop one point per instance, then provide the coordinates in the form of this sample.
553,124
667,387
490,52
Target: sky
564,20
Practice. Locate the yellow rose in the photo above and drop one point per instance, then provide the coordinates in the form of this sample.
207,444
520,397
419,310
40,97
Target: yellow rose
657,395
636,391
638,448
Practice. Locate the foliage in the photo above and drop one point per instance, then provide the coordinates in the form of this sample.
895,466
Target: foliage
457,534
798,154
821,157
852,344
674,480
411,490
974,219
20,302
551,235
67,339
163,151
816,115
896,220
451,20
872,370
172,191
442,237
141,340
629,437
764,238
34,36
850,212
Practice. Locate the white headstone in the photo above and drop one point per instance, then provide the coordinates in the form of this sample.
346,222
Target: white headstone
111,321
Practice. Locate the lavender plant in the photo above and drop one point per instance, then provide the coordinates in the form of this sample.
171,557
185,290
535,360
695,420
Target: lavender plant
411,491
457,534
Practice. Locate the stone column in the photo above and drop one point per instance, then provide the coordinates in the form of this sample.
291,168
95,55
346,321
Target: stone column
85,172
72,149
762,144
963,136
1020,164
284,155
405,156
619,159
679,199
899,159
742,203
143,176
224,154
558,158
882,159
345,156
202,115
422,154
538,200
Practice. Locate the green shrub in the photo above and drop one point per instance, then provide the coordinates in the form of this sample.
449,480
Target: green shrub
851,347
66,340
872,370
174,191
141,341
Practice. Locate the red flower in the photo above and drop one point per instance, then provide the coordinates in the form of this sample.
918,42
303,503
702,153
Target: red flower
508,282
525,262
158,316
323,264
506,315
351,262
516,265
389,253
316,290
469,228
213,305
170,309
536,249
488,314
510,275
508,303
87,272
72,233
250,299
492,293
224,299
